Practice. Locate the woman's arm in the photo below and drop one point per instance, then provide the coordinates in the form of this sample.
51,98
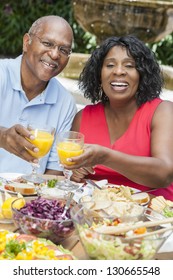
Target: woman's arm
154,171
77,121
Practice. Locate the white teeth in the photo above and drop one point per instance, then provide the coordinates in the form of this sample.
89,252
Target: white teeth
46,63
118,84
50,65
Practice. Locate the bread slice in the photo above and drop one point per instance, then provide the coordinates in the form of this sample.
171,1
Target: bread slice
158,203
22,188
141,198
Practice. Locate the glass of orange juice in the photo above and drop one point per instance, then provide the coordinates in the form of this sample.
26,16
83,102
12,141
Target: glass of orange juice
44,137
69,144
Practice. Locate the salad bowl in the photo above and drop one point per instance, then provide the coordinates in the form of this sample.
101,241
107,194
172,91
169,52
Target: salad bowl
42,218
112,238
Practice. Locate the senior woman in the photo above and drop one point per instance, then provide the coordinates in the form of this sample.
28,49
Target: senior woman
129,129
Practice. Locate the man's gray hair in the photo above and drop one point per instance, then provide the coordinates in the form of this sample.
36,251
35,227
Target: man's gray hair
38,24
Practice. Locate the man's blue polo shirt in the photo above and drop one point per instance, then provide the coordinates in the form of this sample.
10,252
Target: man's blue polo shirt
55,106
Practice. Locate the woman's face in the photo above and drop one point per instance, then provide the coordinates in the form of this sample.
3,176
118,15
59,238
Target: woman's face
119,76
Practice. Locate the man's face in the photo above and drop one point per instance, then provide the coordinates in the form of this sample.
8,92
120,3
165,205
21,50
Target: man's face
46,52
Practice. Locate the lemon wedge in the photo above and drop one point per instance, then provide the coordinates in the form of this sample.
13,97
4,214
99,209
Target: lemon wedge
6,206
19,203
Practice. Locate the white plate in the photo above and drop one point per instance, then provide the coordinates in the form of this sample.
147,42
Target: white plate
6,221
11,177
134,191
88,189
107,185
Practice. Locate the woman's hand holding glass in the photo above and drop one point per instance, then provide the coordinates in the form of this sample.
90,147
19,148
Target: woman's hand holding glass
94,154
69,144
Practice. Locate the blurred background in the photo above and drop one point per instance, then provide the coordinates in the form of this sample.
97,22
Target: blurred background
17,16
92,21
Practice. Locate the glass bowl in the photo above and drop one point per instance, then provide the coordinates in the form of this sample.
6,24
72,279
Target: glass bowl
51,193
41,217
97,235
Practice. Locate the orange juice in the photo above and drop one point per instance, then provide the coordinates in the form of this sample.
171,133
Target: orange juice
43,141
68,149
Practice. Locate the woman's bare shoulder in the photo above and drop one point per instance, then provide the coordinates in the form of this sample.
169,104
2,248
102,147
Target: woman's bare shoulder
165,106
163,113
77,121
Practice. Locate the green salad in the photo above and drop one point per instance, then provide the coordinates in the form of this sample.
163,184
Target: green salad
168,212
110,247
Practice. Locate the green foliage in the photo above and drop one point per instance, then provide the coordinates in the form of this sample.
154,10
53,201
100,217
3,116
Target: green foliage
16,18
164,50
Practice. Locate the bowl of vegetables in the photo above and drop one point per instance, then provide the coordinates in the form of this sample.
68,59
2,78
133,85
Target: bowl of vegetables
42,217
115,238
50,190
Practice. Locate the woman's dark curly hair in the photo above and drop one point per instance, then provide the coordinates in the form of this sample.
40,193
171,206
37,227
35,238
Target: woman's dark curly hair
151,78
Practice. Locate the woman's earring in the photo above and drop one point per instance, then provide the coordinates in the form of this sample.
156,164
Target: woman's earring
100,92
102,96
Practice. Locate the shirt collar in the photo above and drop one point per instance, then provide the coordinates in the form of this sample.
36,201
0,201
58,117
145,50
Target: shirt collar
15,66
50,96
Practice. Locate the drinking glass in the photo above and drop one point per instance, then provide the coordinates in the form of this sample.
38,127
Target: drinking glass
44,137
68,144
